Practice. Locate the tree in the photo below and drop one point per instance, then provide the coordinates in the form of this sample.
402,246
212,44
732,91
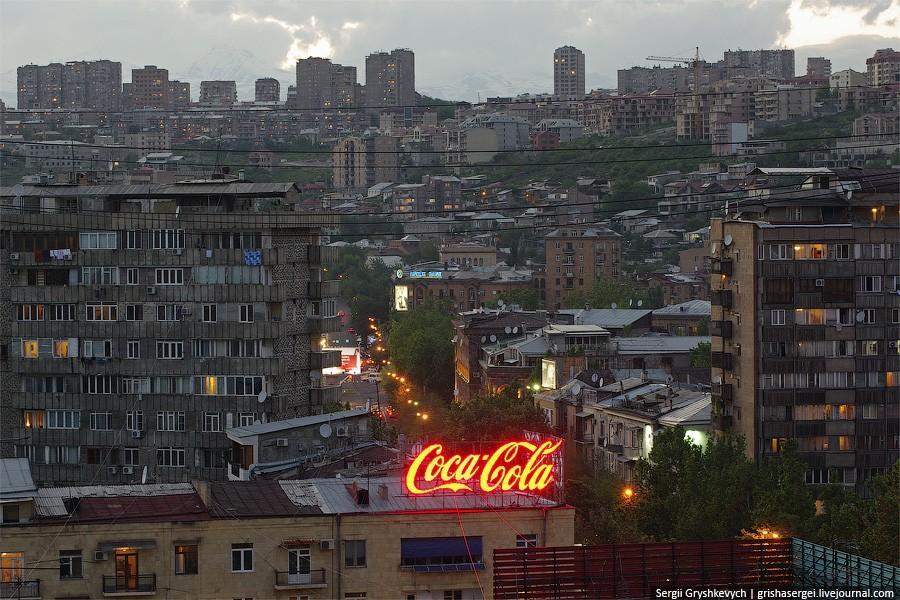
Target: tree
606,292
701,355
843,518
602,515
527,299
501,416
782,501
879,541
366,287
426,251
421,347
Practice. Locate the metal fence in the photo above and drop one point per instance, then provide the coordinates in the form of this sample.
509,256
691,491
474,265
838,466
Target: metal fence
818,566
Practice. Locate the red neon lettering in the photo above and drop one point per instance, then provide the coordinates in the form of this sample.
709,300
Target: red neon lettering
514,466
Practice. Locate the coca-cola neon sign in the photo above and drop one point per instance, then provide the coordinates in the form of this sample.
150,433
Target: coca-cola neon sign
520,466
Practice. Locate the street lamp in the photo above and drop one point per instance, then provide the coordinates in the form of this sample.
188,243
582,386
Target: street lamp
628,493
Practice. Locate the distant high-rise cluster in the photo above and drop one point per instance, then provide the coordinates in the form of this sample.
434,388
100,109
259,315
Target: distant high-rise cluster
218,93
818,66
267,89
777,64
78,84
568,72
324,84
391,78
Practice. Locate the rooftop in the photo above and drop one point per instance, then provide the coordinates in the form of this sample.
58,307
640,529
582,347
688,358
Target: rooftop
656,344
612,318
286,424
699,308
15,480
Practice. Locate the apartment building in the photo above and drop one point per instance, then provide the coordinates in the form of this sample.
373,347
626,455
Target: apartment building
847,78
139,322
697,116
313,539
323,84
398,119
784,103
218,93
147,141
460,289
818,67
883,68
391,79
267,89
774,64
62,156
149,88
93,84
180,94
576,256
358,163
643,80
616,115
806,322
568,72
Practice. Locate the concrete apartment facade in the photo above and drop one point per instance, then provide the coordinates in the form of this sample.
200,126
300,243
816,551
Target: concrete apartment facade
576,256
391,79
323,84
774,64
149,88
883,68
806,322
312,539
358,163
95,84
218,93
568,72
138,323
267,89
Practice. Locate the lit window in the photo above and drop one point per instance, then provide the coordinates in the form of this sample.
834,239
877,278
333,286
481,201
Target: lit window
61,349
30,348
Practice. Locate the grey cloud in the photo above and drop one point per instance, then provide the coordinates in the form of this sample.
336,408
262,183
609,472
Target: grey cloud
874,7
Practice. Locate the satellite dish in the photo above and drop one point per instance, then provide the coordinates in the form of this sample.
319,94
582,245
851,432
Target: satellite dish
614,305
860,316
325,430
493,338
669,379
576,389
501,303
515,330
640,302
262,397
508,330
144,475
717,379
595,377
728,239
600,383
483,339
630,302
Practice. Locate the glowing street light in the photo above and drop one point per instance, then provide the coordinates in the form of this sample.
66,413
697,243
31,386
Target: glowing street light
628,493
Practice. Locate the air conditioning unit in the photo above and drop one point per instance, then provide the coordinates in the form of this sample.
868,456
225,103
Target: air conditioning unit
341,432
326,544
98,555
137,434
14,256
128,470
151,291
113,470
281,442
820,283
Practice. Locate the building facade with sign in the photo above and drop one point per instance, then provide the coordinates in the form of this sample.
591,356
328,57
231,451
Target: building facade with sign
320,538
461,289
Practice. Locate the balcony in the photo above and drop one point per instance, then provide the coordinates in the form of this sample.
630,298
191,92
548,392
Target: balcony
319,325
722,360
721,266
20,590
324,359
723,391
133,585
722,329
321,255
722,422
569,250
321,394
323,289
721,298
285,580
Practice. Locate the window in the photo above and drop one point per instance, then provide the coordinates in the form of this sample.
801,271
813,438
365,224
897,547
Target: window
453,595
170,457
423,553
34,419
169,276
870,283
63,455
100,240
186,559
841,252
134,312
212,421
136,385
134,349
132,276
241,558
96,348
62,312
169,312
778,317
99,275
780,252
354,553
70,564
63,419
810,251
209,313
228,385
867,348
101,421
134,420
169,350
895,315
170,420
133,240
101,312
168,239
99,384
246,313
60,348
246,419
30,312
526,540
131,457
870,411
867,316
30,349
355,595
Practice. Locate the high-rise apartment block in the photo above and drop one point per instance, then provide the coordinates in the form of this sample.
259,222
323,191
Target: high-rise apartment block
883,68
568,72
218,93
358,163
775,64
818,66
576,257
149,88
323,84
267,89
391,79
78,84
180,94
136,326
806,322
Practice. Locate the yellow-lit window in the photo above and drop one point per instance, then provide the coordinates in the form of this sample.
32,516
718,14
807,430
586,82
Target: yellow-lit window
11,564
846,412
34,419
816,316
210,385
30,348
892,378
844,442
818,251
61,349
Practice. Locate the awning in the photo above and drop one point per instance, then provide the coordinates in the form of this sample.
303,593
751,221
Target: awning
136,544
584,414
297,542
435,547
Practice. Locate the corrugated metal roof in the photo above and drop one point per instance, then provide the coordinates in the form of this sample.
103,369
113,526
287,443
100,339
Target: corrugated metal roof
258,498
273,426
49,501
689,308
659,344
697,412
614,318
15,479
155,189
177,507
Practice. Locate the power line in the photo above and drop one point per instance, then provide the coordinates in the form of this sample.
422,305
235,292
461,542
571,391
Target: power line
217,150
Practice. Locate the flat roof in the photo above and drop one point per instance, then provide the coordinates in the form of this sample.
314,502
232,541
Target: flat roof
614,318
286,424
659,344
15,479
699,308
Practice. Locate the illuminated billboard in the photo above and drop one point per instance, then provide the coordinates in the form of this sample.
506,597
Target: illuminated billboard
401,297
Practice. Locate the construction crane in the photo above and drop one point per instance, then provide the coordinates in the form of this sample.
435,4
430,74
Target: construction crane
692,62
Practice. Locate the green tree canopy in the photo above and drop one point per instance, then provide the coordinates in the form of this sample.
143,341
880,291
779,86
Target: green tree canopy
498,416
366,287
421,346
701,355
879,541
605,292
783,501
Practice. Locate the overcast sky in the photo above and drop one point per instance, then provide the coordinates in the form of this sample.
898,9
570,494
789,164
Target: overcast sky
463,48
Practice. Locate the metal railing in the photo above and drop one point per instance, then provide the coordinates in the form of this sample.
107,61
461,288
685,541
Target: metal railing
114,584
25,588
288,579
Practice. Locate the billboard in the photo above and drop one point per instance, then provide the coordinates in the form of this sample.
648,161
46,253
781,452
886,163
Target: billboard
401,297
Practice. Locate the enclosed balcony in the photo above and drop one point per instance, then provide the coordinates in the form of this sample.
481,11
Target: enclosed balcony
721,298
721,266
313,578
723,392
722,360
722,329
